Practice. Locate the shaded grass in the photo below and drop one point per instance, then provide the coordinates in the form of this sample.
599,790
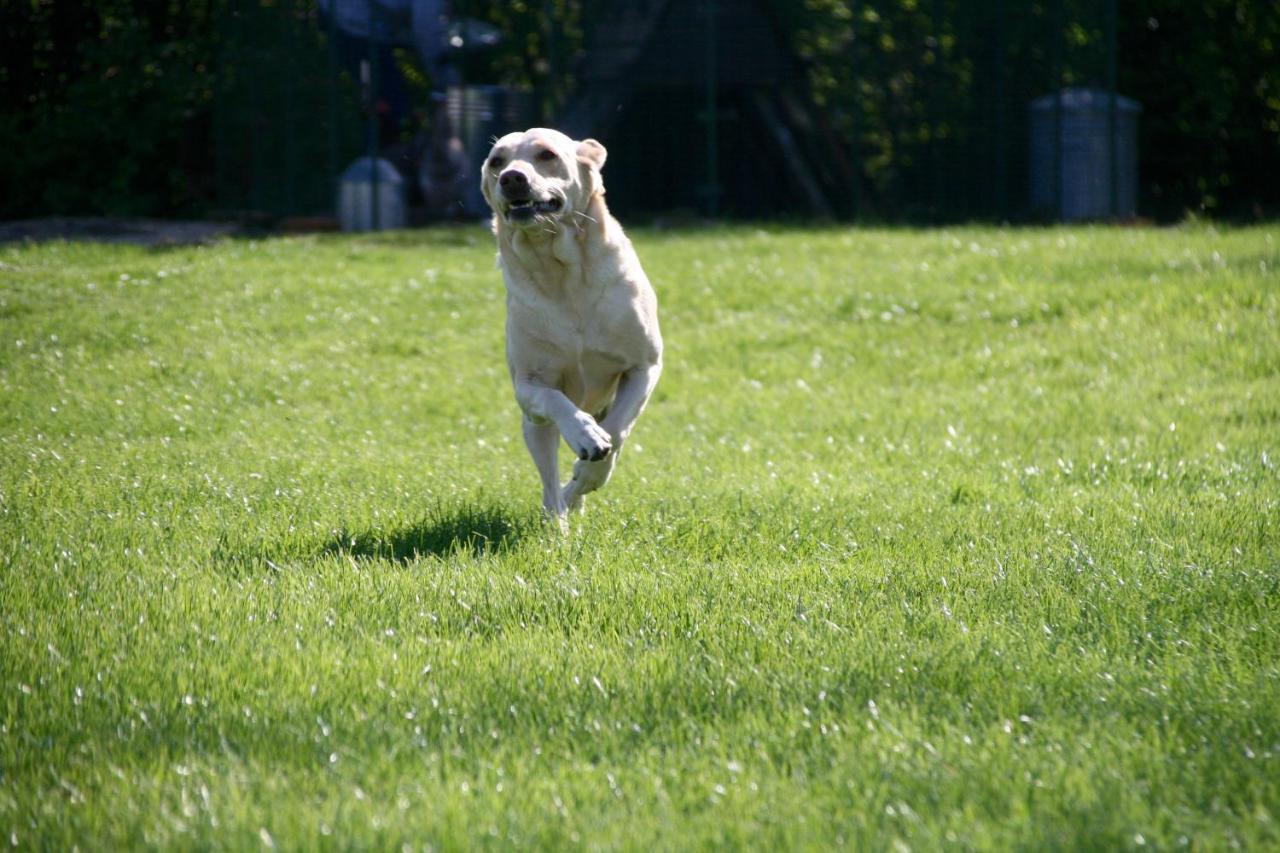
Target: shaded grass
471,528
961,537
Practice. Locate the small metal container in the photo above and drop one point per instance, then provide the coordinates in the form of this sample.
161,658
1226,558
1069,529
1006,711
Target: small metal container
371,196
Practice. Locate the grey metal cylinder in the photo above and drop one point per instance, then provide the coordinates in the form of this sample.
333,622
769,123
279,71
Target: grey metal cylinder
1074,136
371,196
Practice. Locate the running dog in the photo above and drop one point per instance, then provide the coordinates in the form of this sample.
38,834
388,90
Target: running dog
583,346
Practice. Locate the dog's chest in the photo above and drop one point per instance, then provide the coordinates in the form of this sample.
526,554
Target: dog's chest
576,319
574,310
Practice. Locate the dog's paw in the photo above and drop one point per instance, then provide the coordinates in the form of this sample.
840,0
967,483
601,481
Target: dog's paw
592,443
558,524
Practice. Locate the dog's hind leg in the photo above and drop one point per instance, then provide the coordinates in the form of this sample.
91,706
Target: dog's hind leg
543,441
587,477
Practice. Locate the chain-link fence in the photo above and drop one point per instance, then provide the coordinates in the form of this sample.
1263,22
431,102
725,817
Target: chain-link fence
914,110
894,110
908,110
284,120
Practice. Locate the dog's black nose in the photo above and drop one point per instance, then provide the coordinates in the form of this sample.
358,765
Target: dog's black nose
513,180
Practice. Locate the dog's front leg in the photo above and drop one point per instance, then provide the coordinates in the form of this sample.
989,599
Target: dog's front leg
544,403
634,389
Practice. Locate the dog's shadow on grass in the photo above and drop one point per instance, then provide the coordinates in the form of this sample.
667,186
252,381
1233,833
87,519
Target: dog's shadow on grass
444,531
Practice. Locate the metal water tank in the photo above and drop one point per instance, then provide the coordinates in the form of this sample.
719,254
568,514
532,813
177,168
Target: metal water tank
1074,136
371,196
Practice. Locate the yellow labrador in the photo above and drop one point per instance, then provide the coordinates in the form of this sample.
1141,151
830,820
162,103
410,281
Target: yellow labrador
583,345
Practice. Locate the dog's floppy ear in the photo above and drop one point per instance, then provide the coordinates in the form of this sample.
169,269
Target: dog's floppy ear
591,157
592,153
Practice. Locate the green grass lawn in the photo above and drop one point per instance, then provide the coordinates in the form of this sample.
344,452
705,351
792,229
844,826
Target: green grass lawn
966,537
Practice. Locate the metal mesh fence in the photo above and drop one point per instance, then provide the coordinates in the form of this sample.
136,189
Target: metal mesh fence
915,110
891,110
285,118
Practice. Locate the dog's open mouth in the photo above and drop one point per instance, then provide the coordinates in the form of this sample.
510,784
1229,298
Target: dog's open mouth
524,209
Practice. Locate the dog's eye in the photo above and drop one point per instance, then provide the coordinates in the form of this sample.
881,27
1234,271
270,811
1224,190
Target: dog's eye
496,162
546,154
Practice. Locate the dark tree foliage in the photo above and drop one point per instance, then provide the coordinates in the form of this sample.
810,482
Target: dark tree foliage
948,81
105,106
163,107
1208,75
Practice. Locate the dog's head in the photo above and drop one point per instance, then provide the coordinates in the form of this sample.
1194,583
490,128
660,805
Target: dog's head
540,176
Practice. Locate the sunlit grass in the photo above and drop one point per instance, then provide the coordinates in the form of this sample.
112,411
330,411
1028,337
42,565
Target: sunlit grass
963,537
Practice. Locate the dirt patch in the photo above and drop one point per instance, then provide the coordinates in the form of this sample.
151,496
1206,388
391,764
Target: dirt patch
138,232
